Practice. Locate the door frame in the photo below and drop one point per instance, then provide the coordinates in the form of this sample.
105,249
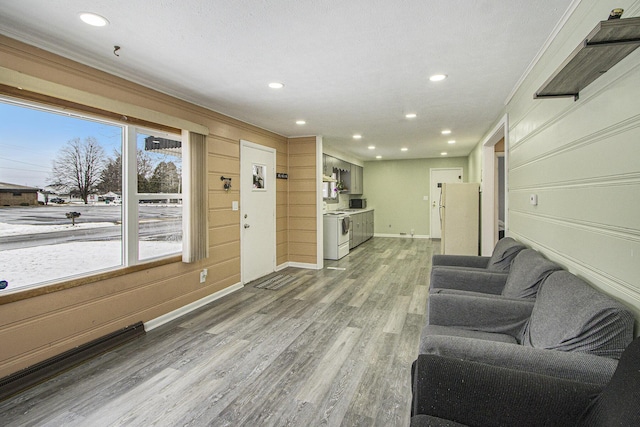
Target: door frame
488,197
431,170
243,198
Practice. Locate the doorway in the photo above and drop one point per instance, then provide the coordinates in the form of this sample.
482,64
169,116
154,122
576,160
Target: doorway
258,210
437,177
489,216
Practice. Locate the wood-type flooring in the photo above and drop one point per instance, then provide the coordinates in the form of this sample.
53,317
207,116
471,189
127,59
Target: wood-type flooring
332,348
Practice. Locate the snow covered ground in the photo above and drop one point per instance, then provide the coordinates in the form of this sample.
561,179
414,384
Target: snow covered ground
36,265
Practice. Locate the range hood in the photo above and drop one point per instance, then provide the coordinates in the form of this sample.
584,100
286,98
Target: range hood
327,178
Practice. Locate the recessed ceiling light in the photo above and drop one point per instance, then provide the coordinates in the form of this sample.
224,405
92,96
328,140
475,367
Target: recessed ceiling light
93,19
301,122
411,116
371,147
276,85
357,136
378,157
438,77
444,153
446,132
404,149
453,141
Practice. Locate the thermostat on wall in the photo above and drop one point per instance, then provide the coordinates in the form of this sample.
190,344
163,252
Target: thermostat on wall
533,199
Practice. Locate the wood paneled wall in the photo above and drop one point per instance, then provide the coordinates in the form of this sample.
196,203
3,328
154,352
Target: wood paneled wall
581,159
302,200
34,329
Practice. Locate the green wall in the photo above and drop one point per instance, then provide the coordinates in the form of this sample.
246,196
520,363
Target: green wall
395,189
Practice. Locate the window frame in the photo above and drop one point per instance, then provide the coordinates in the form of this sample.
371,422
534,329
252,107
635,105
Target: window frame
130,261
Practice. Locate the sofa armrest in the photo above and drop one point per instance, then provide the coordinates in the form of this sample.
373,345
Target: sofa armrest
475,393
461,260
479,313
468,279
576,366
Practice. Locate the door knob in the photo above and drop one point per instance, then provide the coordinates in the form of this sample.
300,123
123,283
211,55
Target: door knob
247,226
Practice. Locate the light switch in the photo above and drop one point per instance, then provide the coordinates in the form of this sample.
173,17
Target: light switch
234,205
425,198
533,199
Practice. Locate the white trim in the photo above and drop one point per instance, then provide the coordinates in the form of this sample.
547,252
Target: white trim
184,310
406,236
305,265
282,266
488,230
563,20
319,200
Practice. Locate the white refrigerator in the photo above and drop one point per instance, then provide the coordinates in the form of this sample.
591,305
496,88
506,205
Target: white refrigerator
460,218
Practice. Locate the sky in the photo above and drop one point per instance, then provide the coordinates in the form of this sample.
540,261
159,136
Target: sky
30,139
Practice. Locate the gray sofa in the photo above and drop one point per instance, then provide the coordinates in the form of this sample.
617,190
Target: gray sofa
570,330
528,270
500,260
453,392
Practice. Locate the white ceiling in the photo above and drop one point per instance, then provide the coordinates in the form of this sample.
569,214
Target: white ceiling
348,66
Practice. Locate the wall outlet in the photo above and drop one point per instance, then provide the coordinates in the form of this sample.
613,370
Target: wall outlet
203,275
413,231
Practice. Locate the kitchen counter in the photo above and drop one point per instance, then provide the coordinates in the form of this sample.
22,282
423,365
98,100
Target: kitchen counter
351,210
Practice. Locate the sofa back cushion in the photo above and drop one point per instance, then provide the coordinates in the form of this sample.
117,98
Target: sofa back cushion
528,270
570,315
619,402
505,251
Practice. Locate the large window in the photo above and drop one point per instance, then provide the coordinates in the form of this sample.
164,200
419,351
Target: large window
94,195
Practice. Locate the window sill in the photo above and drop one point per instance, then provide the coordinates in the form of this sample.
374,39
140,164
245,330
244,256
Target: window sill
22,294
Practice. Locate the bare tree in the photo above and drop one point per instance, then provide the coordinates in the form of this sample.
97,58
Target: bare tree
111,175
78,166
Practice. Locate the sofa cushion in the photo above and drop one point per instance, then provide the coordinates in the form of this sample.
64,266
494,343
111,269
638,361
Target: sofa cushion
528,270
503,254
570,315
452,331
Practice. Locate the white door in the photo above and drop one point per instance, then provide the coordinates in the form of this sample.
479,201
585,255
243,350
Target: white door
258,210
438,176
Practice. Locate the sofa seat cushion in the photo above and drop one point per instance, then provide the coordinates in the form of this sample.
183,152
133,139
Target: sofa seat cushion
466,333
570,315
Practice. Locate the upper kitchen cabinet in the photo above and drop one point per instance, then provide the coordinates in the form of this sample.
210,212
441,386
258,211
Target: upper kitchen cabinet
349,174
355,186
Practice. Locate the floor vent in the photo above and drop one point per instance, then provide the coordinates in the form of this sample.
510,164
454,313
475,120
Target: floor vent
49,368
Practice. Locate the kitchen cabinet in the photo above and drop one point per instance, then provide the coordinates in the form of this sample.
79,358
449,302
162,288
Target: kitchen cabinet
351,175
355,185
361,228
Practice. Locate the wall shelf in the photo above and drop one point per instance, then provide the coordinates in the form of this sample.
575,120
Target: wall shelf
606,45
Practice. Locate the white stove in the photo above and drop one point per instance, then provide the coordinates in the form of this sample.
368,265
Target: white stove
336,235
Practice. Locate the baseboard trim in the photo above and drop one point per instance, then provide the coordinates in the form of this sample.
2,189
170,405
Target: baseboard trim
40,372
404,236
179,312
304,265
